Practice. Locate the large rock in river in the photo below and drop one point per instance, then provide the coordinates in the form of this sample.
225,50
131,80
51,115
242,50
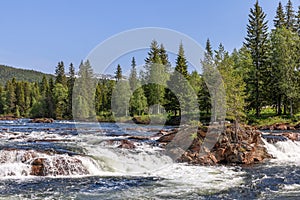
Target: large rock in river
241,146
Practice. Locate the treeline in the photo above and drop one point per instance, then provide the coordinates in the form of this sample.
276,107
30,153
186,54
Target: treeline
7,73
264,72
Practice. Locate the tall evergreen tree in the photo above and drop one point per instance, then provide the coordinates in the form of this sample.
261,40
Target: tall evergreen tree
298,21
121,98
279,20
290,16
284,56
234,86
2,100
257,43
179,93
165,60
154,79
204,97
83,105
138,102
10,97
118,73
60,74
70,83
133,79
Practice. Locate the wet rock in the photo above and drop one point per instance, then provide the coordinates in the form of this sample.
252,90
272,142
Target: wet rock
167,137
291,136
126,144
42,120
38,167
8,118
239,146
136,137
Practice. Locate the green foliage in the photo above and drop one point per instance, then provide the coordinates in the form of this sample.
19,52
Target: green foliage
118,73
258,45
84,93
279,21
8,73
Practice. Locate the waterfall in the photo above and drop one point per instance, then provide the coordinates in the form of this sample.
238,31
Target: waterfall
285,151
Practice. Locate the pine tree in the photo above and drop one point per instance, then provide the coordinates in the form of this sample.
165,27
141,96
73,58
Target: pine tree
50,101
180,95
234,86
257,43
204,98
10,97
27,91
165,60
120,99
83,105
214,84
298,21
20,99
2,100
138,102
60,74
133,79
118,73
98,99
60,93
208,48
290,16
70,84
284,56
154,78
279,20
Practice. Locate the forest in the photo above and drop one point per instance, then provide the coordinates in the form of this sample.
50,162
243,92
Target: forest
261,81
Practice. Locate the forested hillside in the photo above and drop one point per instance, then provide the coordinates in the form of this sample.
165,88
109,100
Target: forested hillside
7,73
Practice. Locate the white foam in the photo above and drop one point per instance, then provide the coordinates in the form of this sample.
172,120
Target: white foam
18,163
285,151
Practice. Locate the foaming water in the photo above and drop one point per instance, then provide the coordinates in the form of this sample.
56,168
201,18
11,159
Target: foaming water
88,163
285,151
20,163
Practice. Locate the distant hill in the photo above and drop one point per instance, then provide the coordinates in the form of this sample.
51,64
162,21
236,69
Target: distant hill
7,73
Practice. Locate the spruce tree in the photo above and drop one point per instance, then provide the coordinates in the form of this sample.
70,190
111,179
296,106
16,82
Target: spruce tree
257,43
60,74
118,73
215,85
175,92
290,16
298,21
138,102
279,20
204,97
165,60
83,105
234,86
70,86
154,78
284,56
133,79
10,97
2,100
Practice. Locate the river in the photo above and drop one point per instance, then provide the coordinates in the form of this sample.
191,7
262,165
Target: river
84,161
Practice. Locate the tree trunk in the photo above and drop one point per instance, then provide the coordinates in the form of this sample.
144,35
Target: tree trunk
291,108
279,110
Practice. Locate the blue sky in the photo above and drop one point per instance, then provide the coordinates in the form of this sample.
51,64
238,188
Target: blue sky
38,34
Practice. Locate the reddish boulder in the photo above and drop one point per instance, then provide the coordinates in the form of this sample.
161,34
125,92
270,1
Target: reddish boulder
126,144
42,120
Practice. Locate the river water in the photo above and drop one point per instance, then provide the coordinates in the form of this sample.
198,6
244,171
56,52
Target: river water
95,168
